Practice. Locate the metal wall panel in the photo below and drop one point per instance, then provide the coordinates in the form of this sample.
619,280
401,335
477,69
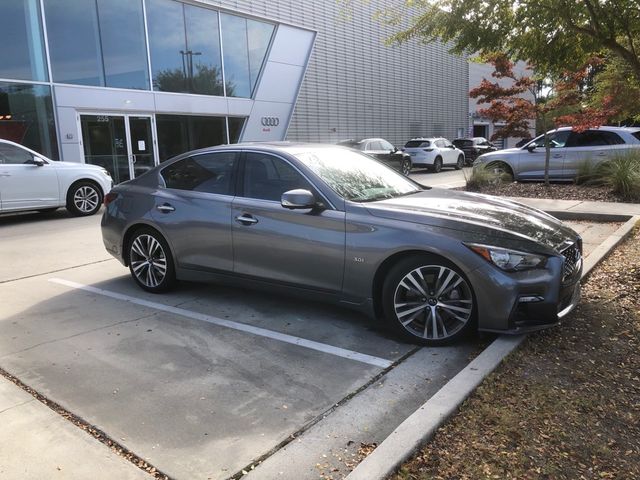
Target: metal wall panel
358,86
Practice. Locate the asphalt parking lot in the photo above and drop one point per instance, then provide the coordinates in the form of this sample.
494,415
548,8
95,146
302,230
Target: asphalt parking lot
205,381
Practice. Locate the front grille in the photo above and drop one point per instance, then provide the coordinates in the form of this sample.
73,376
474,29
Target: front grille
572,261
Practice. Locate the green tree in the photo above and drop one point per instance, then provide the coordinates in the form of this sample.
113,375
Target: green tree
554,35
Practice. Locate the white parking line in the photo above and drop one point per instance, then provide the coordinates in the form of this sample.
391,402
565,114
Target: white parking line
262,332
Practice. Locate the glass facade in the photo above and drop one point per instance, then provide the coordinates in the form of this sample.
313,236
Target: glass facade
180,133
97,42
26,117
22,48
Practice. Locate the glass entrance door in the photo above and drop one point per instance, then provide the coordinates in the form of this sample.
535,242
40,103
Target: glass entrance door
123,144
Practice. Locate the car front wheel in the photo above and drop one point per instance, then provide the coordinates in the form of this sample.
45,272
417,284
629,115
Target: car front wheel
84,198
405,168
427,300
150,261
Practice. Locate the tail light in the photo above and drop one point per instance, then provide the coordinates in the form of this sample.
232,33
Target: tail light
428,149
109,197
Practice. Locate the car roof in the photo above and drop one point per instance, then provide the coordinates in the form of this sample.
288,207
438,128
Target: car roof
607,128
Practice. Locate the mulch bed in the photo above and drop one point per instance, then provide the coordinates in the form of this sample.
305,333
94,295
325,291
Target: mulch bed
565,405
557,191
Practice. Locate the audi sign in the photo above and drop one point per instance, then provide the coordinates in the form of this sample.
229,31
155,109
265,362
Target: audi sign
270,121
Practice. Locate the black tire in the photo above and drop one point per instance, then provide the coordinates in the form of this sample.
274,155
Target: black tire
147,245
437,165
502,170
443,315
460,162
405,167
84,198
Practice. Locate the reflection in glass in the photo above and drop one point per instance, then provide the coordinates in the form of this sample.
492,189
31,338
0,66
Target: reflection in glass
99,43
245,45
180,133
123,43
105,143
26,117
22,53
74,43
185,48
235,129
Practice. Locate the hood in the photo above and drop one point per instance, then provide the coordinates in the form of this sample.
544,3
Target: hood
476,213
499,153
69,165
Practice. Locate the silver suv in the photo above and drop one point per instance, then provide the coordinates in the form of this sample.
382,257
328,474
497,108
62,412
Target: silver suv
569,150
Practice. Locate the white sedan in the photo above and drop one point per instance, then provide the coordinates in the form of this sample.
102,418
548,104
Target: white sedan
30,181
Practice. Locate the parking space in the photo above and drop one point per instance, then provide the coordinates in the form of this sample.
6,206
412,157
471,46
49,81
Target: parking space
204,381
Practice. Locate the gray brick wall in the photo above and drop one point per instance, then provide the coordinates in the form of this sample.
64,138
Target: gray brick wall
356,86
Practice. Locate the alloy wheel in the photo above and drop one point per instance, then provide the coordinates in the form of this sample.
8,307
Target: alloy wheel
148,260
433,302
406,167
86,199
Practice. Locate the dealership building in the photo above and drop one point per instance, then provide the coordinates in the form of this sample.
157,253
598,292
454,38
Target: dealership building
127,84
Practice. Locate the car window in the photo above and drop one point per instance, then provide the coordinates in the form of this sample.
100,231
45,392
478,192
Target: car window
208,172
417,144
10,154
375,145
593,138
440,143
556,140
267,177
384,145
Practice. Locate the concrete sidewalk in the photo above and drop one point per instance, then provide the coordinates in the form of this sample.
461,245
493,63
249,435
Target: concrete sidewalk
581,207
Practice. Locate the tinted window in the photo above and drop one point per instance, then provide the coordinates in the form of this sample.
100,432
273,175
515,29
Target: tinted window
245,45
14,155
26,113
417,144
463,143
636,134
594,138
384,145
235,129
180,133
556,139
267,177
22,52
209,172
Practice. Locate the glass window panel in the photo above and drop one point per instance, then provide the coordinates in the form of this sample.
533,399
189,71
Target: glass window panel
209,172
258,37
26,117
10,154
181,133
167,44
123,44
74,42
104,141
235,129
267,177
236,55
22,53
202,58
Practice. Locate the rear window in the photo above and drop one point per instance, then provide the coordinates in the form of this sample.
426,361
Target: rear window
417,144
463,143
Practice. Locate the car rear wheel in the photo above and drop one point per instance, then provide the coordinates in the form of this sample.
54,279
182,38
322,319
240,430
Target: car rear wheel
150,261
406,167
428,300
84,198
437,165
460,162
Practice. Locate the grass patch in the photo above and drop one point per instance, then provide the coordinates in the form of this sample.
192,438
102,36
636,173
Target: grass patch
482,177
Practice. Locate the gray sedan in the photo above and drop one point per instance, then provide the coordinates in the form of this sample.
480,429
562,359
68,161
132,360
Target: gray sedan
329,223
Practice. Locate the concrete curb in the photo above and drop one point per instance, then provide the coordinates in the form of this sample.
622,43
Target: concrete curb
420,426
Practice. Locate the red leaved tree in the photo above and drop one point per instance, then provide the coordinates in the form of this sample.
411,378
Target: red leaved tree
522,99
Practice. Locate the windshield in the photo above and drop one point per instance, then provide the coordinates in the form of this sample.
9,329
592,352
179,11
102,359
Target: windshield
354,176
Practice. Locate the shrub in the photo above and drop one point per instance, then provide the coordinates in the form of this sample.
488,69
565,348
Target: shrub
482,177
622,174
590,174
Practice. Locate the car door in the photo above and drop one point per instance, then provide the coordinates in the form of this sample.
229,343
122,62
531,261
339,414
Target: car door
25,184
531,160
450,154
295,247
591,147
194,209
389,155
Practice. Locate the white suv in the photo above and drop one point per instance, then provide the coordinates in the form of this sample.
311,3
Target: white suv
434,153
29,181
569,150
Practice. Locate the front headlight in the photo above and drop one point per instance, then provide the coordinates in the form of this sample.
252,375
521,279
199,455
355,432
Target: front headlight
508,260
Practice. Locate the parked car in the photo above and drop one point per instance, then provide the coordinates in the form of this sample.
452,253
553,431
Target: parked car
569,150
434,153
30,181
382,150
330,223
474,147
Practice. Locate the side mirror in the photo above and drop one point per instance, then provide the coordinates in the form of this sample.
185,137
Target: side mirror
298,199
532,147
38,162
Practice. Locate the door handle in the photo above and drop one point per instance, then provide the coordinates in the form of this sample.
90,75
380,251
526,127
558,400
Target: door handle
165,208
557,155
246,219
5,174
